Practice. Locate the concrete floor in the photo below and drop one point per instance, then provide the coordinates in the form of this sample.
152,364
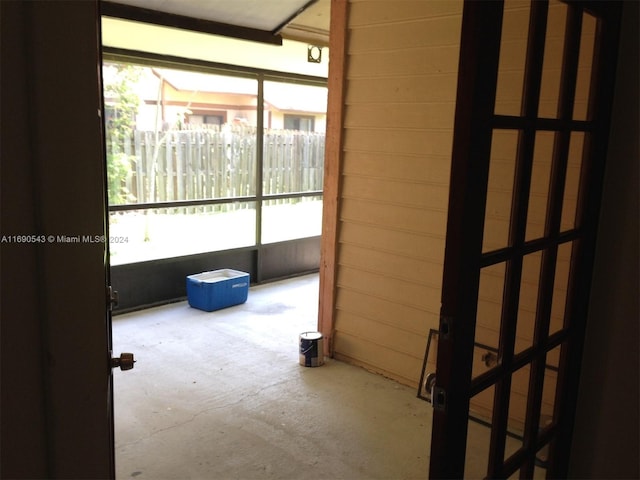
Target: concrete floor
222,395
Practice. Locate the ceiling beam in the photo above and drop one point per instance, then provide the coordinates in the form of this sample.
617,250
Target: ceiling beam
145,15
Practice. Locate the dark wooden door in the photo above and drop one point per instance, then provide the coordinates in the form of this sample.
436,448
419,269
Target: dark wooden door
56,397
532,117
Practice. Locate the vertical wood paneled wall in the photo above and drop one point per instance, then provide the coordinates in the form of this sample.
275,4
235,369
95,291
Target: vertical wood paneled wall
399,102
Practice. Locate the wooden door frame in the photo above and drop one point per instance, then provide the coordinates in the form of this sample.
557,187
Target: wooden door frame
473,142
600,107
332,171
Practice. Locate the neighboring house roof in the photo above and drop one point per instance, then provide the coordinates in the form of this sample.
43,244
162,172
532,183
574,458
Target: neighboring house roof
206,82
282,96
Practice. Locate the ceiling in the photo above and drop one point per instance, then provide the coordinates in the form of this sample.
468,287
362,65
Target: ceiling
301,20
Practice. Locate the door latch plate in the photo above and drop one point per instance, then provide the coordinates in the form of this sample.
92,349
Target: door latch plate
112,298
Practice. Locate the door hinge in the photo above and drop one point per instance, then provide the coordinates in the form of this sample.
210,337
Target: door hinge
439,398
112,298
446,325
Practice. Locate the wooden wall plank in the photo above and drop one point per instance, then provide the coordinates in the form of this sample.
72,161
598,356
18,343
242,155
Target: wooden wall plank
406,317
395,241
396,365
408,268
440,59
431,197
392,289
367,13
409,218
408,167
415,89
384,335
404,35
416,115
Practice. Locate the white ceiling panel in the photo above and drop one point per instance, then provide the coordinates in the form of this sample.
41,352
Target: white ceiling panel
259,14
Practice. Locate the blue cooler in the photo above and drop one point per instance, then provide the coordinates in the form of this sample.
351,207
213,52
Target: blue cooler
217,289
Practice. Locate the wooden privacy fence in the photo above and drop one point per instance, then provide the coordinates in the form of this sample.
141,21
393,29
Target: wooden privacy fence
217,162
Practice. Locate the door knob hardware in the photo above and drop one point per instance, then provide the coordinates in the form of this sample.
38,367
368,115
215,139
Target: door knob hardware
125,361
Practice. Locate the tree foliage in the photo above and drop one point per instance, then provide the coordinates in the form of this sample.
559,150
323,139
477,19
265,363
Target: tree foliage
122,103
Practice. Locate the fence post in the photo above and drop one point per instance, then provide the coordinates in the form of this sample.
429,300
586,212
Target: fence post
180,165
168,151
139,166
207,166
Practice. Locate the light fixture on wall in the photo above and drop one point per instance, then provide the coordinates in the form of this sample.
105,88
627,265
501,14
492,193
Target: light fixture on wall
314,54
